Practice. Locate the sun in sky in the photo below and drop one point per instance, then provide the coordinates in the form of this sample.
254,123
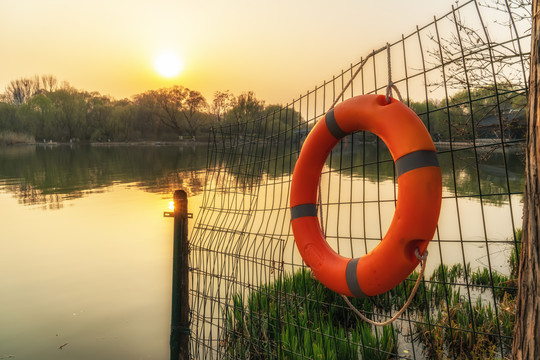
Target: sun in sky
168,64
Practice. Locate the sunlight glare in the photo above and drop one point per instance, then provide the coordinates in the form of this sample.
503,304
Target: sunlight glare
168,64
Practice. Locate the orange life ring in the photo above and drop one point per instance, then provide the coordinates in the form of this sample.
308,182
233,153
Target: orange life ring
417,208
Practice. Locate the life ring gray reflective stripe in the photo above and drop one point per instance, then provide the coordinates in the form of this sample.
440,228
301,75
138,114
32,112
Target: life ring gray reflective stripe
352,278
415,160
333,126
303,210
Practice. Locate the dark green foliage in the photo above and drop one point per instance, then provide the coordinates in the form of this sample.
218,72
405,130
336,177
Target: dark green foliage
487,112
63,113
376,345
500,283
295,317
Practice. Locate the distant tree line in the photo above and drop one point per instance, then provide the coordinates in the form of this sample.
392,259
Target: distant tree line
47,109
481,113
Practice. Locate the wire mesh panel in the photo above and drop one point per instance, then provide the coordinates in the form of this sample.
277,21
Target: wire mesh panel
465,75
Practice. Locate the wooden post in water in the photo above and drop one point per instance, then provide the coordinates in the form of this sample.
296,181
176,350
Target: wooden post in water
180,283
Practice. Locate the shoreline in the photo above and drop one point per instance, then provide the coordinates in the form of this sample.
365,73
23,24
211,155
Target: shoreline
480,144
111,143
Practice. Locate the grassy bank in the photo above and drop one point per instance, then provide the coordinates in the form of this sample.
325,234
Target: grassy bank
13,138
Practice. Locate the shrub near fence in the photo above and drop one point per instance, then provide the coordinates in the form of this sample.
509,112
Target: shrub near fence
465,74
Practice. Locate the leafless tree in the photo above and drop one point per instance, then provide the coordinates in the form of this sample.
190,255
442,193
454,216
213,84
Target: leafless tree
471,58
222,103
21,90
49,83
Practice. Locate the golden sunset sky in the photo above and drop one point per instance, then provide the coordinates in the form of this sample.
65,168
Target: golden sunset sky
276,48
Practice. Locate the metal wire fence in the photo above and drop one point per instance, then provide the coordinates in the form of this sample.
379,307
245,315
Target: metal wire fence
465,74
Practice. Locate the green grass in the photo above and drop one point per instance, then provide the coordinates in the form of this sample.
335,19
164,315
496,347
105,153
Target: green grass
295,317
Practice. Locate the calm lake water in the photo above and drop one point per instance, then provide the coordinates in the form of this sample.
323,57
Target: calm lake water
86,254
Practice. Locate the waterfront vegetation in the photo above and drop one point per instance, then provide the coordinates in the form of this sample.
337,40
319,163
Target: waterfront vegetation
295,317
13,138
44,109
457,312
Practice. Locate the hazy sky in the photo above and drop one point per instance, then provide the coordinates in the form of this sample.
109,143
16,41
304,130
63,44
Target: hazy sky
277,48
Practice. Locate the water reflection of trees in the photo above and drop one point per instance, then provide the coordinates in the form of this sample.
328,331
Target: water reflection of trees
49,175
486,171
467,171
242,163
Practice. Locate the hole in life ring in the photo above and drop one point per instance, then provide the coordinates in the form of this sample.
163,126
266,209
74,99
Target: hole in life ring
410,248
381,100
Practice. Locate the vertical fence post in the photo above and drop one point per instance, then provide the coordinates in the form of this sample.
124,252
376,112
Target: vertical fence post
180,283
